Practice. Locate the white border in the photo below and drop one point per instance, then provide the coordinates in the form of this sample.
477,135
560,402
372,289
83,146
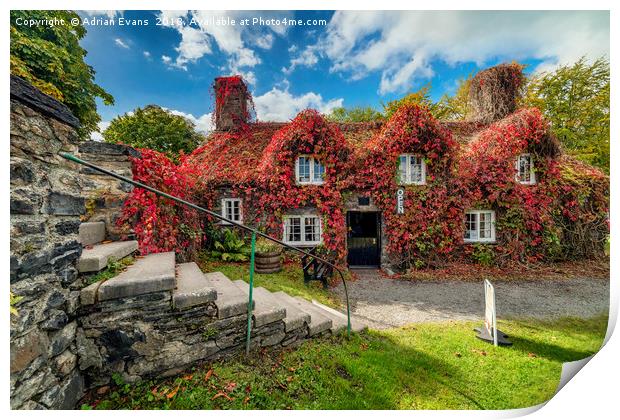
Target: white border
593,394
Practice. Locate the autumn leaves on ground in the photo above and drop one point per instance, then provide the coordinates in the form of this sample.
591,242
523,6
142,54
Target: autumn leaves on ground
422,366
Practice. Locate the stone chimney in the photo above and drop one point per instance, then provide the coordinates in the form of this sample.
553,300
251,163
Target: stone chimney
231,103
494,92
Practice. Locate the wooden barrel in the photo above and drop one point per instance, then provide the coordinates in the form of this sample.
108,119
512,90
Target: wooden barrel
267,262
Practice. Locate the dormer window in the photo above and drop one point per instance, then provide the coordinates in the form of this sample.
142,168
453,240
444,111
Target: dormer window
309,170
412,170
525,169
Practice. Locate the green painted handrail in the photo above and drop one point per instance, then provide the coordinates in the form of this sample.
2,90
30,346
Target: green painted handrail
75,159
250,288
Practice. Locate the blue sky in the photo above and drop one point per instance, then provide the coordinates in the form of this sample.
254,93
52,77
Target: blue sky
349,59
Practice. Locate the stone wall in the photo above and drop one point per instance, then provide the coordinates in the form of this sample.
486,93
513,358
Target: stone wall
144,336
45,211
104,195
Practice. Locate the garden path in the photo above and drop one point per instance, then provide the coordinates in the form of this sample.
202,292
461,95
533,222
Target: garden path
386,303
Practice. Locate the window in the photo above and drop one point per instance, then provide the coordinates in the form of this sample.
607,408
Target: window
309,170
412,169
525,169
480,226
231,209
302,230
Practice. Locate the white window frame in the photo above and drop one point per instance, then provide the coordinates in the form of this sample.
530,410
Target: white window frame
518,175
408,175
312,162
232,200
477,214
302,220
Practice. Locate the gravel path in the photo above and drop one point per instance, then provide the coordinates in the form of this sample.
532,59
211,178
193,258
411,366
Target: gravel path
384,303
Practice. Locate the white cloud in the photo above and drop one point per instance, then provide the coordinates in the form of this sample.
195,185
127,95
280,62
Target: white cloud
204,123
402,46
96,135
281,105
108,13
265,42
308,58
121,43
198,41
166,59
146,54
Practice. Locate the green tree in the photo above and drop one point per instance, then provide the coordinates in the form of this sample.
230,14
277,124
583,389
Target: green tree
154,128
575,98
455,107
447,108
355,114
421,97
50,58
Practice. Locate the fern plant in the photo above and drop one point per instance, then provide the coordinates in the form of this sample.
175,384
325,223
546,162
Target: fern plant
229,247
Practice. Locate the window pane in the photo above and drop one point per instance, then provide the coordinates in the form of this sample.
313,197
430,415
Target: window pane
311,230
319,171
293,229
485,225
416,169
236,211
525,168
471,226
303,167
402,168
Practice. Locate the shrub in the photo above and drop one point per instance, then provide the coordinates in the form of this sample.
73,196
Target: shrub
229,247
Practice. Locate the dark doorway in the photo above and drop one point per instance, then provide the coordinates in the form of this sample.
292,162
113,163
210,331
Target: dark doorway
363,239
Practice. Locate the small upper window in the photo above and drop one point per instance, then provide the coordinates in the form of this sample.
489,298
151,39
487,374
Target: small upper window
302,230
309,170
231,209
480,226
525,169
412,169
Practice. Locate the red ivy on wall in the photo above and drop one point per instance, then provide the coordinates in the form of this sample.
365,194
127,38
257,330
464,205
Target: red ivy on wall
430,227
563,215
160,224
308,134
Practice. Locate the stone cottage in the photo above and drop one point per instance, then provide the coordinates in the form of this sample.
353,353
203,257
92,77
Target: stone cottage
410,190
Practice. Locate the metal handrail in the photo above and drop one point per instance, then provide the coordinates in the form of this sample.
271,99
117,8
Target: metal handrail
75,159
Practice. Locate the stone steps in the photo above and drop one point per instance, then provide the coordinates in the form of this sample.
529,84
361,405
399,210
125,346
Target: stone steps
192,287
230,300
339,320
266,308
149,274
295,316
319,322
97,257
91,233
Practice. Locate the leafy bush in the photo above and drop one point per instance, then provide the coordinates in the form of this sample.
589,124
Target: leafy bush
483,255
229,247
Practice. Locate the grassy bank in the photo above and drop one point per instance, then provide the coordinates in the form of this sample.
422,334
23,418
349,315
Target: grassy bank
423,366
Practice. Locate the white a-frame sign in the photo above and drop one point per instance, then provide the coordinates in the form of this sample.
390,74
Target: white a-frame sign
490,332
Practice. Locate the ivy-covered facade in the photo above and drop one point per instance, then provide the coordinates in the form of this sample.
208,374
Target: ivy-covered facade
407,192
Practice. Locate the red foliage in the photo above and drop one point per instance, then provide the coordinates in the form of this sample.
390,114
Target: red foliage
161,225
431,225
529,222
563,215
224,87
309,134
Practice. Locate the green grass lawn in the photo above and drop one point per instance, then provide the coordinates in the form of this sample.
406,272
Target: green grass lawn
423,366
289,280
